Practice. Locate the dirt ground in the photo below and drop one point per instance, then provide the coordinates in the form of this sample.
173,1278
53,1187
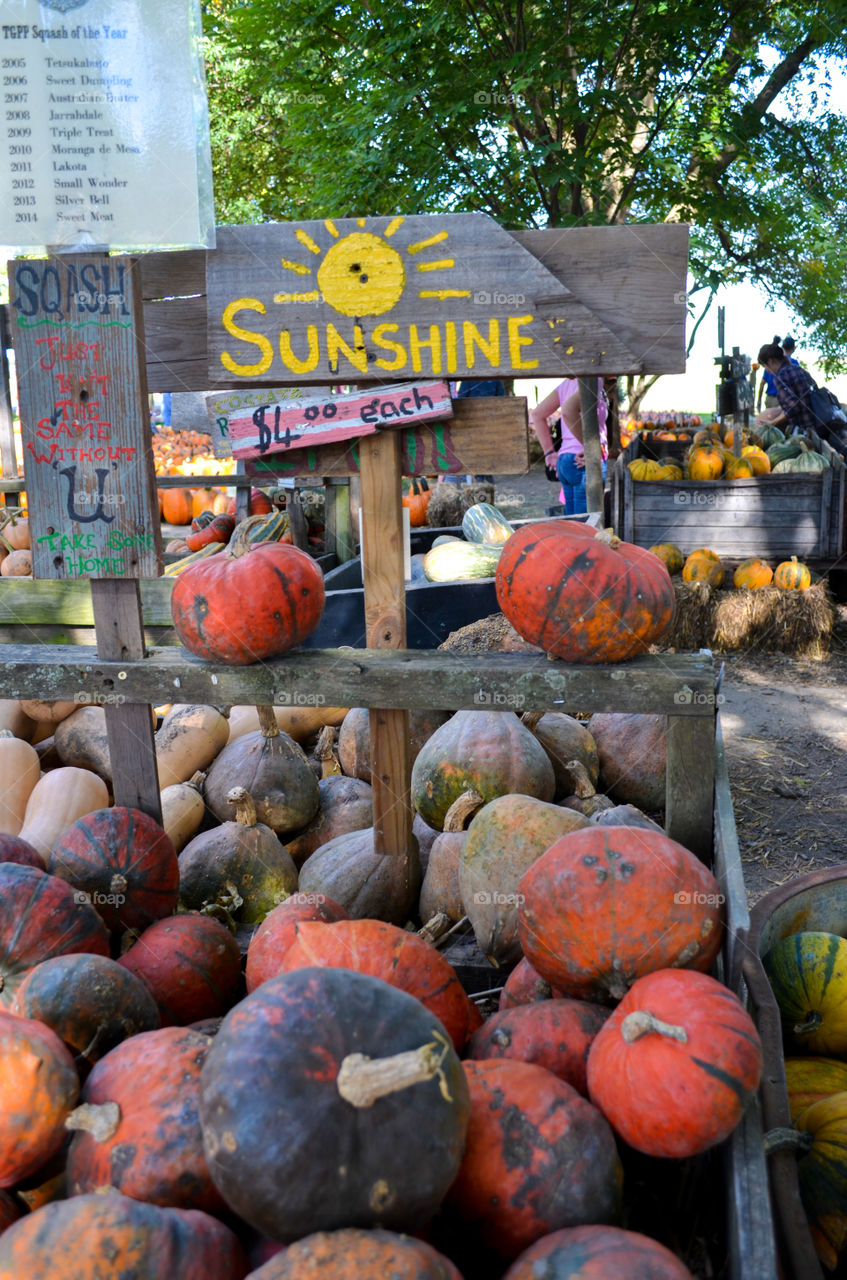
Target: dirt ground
784,722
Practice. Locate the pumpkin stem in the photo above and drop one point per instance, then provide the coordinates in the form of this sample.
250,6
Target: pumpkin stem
362,1081
435,927
787,1140
118,884
641,1023
325,752
245,808
196,780
462,808
583,787
808,1025
267,722
6,733
239,544
101,1120
531,718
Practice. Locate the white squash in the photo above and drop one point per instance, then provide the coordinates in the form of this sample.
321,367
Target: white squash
183,809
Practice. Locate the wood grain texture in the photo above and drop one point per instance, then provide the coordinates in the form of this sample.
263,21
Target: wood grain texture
373,678
691,780
633,278
85,422
383,580
431,295
116,605
485,435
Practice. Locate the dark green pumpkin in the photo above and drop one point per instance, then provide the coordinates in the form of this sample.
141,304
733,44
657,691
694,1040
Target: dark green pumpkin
289,1148
486,751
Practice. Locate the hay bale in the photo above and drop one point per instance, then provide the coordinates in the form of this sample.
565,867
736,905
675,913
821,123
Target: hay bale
769,620
449,502
494,634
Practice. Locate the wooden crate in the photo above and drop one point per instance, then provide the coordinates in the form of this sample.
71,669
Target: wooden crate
770,516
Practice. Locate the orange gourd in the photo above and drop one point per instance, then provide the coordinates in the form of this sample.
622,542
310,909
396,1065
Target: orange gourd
758,459
16,534
752,574
177,506
670,555
791,575
738,469
703,566
705,463
417,502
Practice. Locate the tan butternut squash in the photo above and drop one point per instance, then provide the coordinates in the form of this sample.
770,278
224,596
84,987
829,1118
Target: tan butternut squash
14,718
47,712
81,740
300,723
16,533
183,809
17,564
20,769
189,739
57,800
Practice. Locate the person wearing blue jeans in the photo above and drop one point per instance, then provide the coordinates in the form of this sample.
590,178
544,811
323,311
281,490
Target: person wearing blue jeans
567,464
570,468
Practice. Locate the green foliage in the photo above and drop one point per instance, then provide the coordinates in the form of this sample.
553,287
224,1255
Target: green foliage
543,113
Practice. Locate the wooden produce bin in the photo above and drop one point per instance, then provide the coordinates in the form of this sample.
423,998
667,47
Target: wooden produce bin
774,516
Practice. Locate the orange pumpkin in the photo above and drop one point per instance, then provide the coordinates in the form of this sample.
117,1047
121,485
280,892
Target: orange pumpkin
703,566
738,469
177,506
417,502
670,555
791,575
757,458
38,1087
705,463
16,534
752,574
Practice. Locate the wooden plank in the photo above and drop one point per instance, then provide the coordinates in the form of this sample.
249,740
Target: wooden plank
690,775
372,678
727,868
435,295
173,274
46,633
633,277
129,727
751,1234
268,428
485,435
220,406
385,622
338,531
8,457
591,444
84,417
176,345
629,508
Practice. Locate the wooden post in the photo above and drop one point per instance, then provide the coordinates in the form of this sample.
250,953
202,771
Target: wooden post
8,460
338,534
690,782
591,444
385,623
129,725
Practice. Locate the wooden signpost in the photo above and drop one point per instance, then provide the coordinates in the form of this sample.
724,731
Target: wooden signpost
93,513
223,407
272,428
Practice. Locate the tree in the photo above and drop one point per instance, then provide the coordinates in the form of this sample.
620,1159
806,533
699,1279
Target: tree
551,114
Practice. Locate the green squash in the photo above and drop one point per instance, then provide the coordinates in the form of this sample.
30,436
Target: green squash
808,974
786,449
808,461
770,436
455,561
483,523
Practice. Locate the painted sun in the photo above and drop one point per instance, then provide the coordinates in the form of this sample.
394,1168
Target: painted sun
361,274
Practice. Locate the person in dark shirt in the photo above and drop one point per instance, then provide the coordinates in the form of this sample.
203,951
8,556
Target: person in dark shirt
793,387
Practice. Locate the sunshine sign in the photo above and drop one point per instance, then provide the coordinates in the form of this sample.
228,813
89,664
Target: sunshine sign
391,299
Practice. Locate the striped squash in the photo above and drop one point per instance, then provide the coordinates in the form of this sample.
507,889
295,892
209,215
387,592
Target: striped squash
269,529
212,549
792,575
809,1080
483,523
808,974
823,1175
454,561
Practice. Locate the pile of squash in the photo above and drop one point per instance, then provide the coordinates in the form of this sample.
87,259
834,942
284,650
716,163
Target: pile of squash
808,974
353,1114
15,544
476,555
711,457
704,565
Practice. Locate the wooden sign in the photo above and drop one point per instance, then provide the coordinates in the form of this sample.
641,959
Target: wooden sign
85,423
359,299
223,406
484,435
270,428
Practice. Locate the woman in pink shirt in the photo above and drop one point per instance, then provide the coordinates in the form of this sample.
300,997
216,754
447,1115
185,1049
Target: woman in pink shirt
568,465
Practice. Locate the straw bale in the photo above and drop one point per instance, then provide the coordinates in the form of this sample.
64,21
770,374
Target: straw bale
768,620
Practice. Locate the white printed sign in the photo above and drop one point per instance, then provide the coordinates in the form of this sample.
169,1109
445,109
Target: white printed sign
100,117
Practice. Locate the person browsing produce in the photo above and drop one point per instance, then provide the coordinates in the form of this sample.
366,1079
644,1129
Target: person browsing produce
568,463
